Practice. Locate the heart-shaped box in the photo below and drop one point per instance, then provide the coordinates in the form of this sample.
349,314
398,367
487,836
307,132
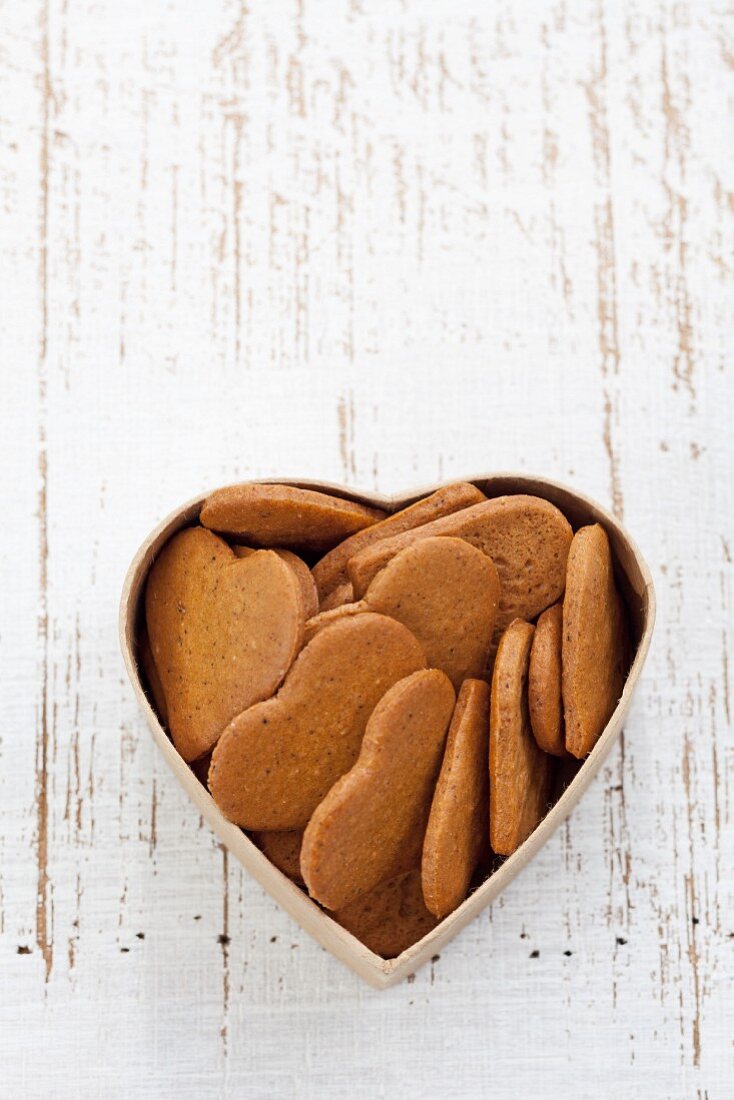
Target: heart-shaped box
635,583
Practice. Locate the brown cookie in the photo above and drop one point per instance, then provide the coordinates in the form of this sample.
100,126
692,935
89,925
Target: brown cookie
318,622
223,632
526,537
456,836
281,515
343,593
371,824
276,761
301,572
520,773
544,682
595,640
154,685
446,592
283,850
331,572
391,918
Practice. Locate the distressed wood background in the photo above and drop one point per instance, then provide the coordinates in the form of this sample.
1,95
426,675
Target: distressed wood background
381,243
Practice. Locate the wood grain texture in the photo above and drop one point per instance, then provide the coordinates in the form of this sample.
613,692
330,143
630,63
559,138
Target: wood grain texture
384,244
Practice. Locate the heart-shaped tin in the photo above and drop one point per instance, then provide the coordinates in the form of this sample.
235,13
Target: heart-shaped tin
635,584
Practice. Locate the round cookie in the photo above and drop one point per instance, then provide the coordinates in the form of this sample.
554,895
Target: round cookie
276,761
283,850
520,773
391,918
282,515
456,835
526,537
301,572
595,640
446,592
223,632
544,682
370,826
331,572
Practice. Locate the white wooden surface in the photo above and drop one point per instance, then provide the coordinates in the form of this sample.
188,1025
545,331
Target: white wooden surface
381,243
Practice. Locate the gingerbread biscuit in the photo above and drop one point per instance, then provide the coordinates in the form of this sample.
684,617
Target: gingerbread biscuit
283,850
520,773
544,682
456,835
155,687
281,515
331,572
318,622
595,640
276,761
391,918
526,537
302,573
223,632
446,592
371,824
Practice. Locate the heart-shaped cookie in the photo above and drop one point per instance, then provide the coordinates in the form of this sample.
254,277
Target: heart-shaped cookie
446,592
223,632
371,823
635,584
276,761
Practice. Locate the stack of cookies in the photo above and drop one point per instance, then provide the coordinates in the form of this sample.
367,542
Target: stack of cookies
381,701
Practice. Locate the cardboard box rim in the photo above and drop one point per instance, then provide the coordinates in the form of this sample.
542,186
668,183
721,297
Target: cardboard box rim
378,972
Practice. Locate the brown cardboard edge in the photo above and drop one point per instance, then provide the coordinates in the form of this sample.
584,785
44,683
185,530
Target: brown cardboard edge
376,971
